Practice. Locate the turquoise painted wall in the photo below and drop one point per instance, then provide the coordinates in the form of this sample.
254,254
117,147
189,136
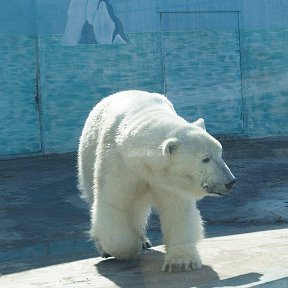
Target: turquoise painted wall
225,61
265,82
75,78
202,69
19,117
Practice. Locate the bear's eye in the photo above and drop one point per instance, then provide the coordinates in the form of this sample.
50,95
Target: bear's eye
206,160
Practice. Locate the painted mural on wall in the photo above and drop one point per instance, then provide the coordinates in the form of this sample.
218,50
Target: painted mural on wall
93,22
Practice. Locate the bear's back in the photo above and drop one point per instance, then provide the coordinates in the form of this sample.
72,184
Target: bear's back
134,100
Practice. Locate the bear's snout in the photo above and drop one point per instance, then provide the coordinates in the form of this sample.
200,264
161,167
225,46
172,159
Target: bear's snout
230,184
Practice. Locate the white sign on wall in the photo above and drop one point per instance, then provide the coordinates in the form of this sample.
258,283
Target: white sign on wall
93,22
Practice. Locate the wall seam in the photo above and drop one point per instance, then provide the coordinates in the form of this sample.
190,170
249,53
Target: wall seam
38,98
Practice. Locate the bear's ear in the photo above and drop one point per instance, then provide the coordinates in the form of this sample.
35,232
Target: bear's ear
200,123
170,146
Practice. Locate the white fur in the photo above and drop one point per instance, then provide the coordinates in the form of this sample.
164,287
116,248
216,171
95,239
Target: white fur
134,152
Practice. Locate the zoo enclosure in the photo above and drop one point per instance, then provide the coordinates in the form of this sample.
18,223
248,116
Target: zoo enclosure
225,61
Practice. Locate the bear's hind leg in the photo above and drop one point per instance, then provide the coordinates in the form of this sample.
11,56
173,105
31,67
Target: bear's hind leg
113,233
140,213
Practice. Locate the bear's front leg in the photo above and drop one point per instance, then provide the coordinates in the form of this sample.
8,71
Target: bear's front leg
182,228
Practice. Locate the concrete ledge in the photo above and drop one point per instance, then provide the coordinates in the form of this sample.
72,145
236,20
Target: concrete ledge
258,259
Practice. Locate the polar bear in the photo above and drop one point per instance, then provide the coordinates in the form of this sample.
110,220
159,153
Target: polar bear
136,152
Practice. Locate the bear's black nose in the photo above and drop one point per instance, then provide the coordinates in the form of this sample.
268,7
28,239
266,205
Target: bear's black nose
230,184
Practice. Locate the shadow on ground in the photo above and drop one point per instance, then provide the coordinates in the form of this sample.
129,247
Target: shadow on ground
145,272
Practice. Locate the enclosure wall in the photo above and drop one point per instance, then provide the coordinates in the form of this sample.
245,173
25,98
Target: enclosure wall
225,61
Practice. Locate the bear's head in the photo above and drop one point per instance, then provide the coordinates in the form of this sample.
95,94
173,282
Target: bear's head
194,163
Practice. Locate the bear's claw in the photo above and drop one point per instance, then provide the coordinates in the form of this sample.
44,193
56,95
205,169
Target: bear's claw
181,267
106,255
146,244
181,258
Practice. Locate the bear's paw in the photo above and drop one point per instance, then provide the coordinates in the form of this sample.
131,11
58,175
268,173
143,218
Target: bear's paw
182,258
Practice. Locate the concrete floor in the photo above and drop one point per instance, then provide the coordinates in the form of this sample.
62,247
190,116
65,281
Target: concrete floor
258,259
44,222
